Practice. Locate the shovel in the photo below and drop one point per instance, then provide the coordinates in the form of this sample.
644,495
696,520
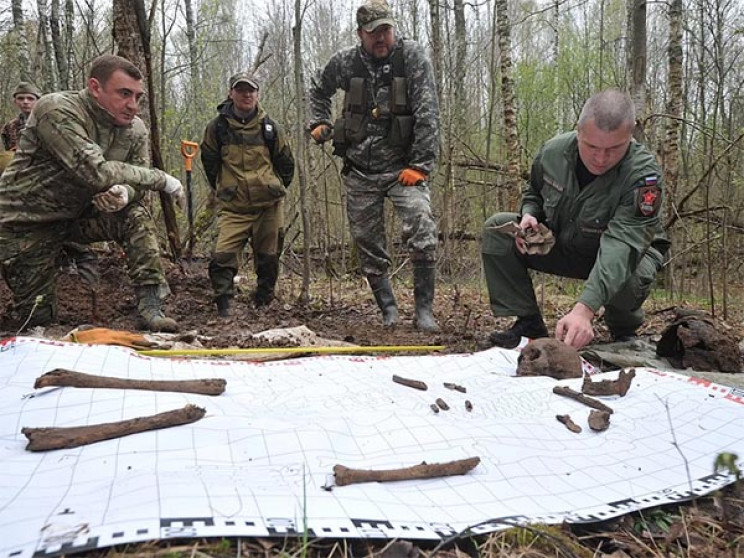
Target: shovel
189,150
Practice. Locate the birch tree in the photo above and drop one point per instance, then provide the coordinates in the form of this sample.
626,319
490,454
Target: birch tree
19,29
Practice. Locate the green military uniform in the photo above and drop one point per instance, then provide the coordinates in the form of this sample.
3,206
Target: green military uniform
249,172
69,151
607,232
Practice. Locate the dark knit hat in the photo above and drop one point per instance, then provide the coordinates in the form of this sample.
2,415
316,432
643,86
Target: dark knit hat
26,88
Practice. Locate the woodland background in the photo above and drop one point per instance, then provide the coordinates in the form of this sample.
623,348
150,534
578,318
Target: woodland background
510,75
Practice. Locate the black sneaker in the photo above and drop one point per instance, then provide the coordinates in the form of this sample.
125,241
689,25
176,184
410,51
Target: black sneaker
532,327
623,336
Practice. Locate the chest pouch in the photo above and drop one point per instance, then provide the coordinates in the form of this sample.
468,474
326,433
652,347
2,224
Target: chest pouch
351,128
401,125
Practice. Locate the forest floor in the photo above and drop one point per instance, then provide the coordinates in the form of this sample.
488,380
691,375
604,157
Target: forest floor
343,309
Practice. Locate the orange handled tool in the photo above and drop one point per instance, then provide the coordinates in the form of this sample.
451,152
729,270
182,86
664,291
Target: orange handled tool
189,150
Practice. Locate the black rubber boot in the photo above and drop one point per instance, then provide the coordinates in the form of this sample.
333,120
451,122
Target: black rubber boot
532,327
383,291
223,305
150,306
221,277
267,273
424,275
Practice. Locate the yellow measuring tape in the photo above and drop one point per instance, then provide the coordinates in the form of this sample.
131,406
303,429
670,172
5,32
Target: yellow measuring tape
289,350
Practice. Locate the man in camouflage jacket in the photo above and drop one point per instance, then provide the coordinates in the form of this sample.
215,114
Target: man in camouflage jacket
25,96
388,136
78,175
249,165
600,194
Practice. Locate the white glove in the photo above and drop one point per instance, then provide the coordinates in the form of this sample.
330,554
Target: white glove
112,200
173,187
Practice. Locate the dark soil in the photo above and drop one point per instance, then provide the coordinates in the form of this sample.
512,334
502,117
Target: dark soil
336,309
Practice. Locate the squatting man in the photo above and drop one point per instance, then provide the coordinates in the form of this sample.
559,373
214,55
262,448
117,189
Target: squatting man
600,193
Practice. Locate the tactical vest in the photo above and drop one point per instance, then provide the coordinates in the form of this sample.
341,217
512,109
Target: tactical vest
226,136
360,113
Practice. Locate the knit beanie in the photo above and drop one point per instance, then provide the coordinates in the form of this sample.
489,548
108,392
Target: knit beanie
25,87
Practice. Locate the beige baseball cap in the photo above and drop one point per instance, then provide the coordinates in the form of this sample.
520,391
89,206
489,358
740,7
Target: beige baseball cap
243,77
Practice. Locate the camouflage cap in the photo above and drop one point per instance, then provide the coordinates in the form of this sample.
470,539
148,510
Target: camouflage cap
374,13
26,88
243,77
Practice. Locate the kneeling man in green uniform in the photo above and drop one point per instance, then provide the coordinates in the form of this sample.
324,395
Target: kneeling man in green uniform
600,194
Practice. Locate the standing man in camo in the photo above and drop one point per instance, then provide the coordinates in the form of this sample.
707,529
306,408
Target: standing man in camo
25,96
249,165
79,173
388,137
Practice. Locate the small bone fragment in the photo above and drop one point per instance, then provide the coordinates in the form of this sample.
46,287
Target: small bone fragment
345,475
415,384
442,404
609,387
41,439
69,378
456,387
434,407
468,405
570,424
599,420
581,398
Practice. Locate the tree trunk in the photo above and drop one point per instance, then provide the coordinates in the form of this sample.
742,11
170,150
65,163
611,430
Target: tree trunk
673,123
436,44
51,82
638,64
132,38
19,28
58,46
300,140
69,34
196,105
514,175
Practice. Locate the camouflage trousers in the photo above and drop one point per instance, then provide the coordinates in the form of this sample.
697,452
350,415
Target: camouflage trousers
28,257
365,204
261,227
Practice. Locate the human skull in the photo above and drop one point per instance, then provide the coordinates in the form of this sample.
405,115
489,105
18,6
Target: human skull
549,357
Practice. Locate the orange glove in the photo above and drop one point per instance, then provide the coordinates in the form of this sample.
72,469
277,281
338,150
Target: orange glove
411,177
103,336
321,133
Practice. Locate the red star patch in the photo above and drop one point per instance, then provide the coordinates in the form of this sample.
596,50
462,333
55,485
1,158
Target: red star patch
649,200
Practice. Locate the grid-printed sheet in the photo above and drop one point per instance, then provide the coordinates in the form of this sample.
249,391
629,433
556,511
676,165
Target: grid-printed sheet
260,461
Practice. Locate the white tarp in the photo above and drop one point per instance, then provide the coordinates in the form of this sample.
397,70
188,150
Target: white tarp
257,463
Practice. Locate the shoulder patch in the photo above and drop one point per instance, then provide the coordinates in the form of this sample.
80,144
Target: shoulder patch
648,197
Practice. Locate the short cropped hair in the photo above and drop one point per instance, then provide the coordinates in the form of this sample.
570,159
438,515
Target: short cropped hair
104,66
610,109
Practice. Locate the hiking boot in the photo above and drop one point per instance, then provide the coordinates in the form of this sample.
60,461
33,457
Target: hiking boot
532,327
424,274
223,305
383,291
150,306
